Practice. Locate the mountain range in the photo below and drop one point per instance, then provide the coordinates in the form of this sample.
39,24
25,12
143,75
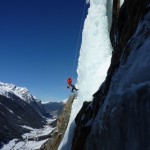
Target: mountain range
8,90
19,109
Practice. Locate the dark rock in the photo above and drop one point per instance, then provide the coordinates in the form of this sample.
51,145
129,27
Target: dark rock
83,128
124,124
54,123
82,112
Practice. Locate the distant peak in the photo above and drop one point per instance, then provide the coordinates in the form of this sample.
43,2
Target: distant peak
21,92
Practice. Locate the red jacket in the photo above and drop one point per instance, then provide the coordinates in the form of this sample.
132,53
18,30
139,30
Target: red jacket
69,81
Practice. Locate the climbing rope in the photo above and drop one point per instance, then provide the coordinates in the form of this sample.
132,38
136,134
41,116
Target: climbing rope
78,40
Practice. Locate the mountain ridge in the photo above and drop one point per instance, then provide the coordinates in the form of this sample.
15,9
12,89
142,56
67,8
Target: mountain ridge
8,90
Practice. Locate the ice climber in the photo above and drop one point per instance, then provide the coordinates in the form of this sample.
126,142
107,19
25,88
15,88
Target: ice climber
69,81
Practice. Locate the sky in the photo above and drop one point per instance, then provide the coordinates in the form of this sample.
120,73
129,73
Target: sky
38,40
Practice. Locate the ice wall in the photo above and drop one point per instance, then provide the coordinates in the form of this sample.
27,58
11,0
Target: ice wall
94,59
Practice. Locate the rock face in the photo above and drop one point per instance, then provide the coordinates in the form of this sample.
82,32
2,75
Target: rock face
62,122
83,125
118,116
14,114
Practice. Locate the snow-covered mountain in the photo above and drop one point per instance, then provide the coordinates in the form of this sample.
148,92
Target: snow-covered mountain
20,111
9,90
22,92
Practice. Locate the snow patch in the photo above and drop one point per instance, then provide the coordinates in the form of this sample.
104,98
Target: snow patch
27,127
10,111
10,145
121,2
